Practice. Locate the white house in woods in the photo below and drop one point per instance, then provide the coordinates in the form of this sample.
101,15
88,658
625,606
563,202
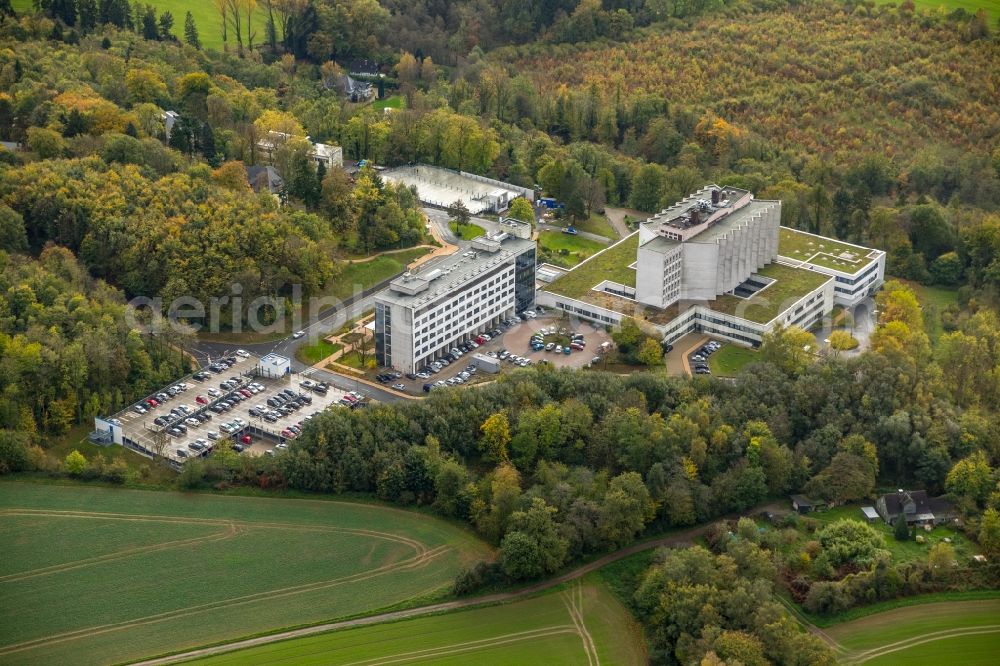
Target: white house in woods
718,262
169,119
328,155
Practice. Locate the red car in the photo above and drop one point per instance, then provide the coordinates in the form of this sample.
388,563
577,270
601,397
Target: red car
288,434
246,393
246,439
151,402
201,400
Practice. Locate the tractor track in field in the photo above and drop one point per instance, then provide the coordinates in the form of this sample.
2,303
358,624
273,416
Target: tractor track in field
467,646
421,557
232,529
414,562
855,657
682,538
573,600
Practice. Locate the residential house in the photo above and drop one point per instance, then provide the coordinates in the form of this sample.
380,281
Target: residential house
265,178
915,506
329,155
363,67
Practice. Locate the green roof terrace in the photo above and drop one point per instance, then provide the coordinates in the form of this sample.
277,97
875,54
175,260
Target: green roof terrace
611,264
789,285
824,252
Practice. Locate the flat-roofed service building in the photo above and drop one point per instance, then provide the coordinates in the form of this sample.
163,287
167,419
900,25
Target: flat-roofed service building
421,316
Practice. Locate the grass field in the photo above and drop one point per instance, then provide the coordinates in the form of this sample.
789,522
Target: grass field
316,352
95,575
598,224
730,359
206,18
934,300
466,231
577,248
992,7
394,102
954,632
583,623
362,275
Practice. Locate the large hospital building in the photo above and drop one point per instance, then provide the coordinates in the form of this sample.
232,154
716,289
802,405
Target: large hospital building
420,316
718,262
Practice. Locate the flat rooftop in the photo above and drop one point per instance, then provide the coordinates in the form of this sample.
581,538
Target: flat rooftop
786,285
447,274
806,248
610,264
442,187
710,209
789,284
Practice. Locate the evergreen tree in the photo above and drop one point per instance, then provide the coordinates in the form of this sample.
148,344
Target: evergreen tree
150,28
901,530
182,136
191,31
206,144
131,131
166,25
75,124
6,9
88,14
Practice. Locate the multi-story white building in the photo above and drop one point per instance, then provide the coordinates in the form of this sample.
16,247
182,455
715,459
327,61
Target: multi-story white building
421,316
718,262
704,246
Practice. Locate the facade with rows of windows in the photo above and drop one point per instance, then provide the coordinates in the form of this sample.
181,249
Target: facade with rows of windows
714,263
421,316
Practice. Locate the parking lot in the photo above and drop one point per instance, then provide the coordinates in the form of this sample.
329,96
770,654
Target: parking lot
259,414
515,339
697,359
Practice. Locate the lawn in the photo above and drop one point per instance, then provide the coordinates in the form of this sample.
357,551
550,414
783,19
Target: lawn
992,7
825,252
206,18
94,575
567,249
611,264
730,359
952,632
394,102
467,231
353,360
598,224
317,351
582,623
934,301
361,275
903,551
790,284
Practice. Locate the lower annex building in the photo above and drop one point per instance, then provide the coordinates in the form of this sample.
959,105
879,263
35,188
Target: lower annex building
719,262
421,316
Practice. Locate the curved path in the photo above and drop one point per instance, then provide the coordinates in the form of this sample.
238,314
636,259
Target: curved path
677,539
